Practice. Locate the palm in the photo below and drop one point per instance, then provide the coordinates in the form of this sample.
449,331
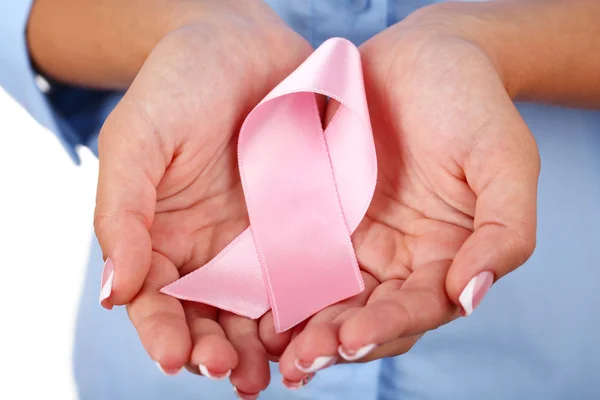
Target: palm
450,146
199,201
438,111
183,112
423,208
200,207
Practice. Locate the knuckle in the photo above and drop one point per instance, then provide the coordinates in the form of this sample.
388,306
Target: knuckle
102,219
523,246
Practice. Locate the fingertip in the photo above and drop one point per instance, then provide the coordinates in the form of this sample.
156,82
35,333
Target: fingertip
314,349
355,354
168,371
106,304
126,241
295,385
317,341
245,395
211,374
252,373
474,291
365,326
108,274
492,251
168,343
215,354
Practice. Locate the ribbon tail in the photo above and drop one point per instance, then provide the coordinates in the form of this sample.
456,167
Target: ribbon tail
231,281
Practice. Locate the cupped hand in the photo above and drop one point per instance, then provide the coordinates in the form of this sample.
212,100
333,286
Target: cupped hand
169,195
455,205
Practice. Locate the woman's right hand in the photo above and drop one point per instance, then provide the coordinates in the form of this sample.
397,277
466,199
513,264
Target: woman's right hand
169,194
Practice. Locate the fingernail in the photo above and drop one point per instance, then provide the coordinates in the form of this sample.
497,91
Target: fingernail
297,385
475,290
168,372
245,396
108,276
213,375
318,364
353,355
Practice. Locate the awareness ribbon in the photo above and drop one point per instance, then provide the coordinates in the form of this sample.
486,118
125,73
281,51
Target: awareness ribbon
306,191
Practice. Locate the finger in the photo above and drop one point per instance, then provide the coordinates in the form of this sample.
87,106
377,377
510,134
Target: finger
390,349
132,162
315,347
398,309
252,374
212,355
503,173
160,319
275,343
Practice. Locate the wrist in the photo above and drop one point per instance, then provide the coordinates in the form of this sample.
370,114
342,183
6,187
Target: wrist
482,27
542,50
104,44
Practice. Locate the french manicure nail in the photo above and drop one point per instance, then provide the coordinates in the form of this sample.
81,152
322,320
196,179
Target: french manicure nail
245,396
108,276
168,372
353,355
212,375
318,364
475,290
297,385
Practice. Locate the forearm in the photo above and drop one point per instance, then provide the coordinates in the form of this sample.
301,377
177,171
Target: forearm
545,50
104,43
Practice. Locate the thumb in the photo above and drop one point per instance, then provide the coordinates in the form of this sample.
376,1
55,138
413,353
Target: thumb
503,172
131,163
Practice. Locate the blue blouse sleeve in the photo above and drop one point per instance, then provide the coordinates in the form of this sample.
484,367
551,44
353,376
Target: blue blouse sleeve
17,76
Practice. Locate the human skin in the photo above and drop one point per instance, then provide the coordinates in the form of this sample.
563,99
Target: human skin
458,167
169,196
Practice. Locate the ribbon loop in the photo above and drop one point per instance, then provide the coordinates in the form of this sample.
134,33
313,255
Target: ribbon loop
306,191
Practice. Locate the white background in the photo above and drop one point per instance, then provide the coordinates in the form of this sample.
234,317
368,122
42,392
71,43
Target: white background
46,210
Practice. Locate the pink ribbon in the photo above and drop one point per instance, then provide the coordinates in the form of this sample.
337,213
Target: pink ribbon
306,191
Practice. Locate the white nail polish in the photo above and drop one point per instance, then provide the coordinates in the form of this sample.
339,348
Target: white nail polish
317,364
245,396
466,297
358,354
107,287
473,293
204,371
168,373
299,384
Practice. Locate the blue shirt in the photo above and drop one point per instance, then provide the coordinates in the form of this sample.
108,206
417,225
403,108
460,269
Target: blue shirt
535,336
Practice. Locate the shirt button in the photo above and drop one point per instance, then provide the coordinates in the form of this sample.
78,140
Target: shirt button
358,5
42,84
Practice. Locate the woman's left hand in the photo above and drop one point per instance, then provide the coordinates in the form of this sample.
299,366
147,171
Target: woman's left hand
455,204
